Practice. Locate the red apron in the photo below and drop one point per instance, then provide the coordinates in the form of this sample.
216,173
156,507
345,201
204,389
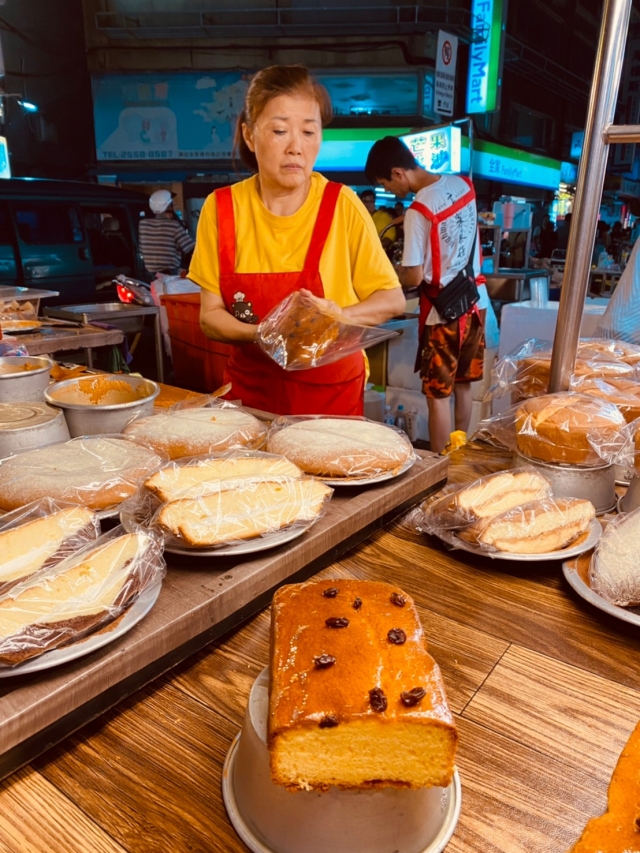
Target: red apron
429,290
335,389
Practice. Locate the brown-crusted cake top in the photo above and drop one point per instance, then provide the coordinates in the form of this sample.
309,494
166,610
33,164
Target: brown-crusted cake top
379,662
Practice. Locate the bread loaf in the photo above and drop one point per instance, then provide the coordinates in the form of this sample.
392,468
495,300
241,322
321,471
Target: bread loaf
615,569
78,596
205,476
246,512
532,372
498,493
29,547
623,393
93,471
535,528
355,700
616,831
298,333
341,447
566,428
192,432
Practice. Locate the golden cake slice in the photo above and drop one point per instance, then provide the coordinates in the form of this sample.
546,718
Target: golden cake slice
211,475
355,699
245,512
618,830
77,597
29,547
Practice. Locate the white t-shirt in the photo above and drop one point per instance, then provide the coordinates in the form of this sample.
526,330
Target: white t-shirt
456,235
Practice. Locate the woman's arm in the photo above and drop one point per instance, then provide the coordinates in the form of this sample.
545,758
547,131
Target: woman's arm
219,325
381,306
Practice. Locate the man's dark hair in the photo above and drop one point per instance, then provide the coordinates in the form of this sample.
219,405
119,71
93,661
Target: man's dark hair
367,194
387,154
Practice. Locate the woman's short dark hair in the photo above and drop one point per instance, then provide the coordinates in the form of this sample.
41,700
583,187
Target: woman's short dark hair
268,84
387,154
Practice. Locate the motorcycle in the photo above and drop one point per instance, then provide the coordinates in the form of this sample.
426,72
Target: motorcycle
132,291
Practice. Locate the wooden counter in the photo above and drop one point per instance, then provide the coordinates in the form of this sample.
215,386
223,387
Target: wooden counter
545,690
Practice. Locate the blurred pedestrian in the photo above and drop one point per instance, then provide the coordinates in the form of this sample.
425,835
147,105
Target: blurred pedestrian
163,239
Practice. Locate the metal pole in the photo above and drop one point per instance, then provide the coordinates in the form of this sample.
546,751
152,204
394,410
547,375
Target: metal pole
591,172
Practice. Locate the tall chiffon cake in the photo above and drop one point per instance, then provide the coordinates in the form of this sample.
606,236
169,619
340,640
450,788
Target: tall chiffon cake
355,700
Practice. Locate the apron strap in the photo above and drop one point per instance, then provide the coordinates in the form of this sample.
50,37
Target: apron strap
322,226
226,231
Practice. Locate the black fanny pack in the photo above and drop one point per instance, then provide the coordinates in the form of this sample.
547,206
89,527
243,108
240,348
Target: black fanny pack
460,295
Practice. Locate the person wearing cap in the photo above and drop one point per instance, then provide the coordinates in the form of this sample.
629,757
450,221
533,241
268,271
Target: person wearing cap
289,229
163,239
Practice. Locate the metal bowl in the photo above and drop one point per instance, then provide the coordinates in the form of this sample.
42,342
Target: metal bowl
104,403
23,378
597,485
24,426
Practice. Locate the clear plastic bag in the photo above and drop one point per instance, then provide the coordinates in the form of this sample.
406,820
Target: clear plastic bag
623,393
341,447
229,510
627,448
39,535
297,334
458,507
568,428
614,571
79,595
525,371
98,472
194,427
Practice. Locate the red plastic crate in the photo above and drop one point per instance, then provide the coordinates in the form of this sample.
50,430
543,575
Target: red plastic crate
198,362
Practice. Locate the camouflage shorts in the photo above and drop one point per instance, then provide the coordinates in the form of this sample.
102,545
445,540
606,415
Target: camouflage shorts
452,352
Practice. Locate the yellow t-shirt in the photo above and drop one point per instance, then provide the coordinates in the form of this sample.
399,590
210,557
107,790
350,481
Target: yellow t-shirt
381,219
353,264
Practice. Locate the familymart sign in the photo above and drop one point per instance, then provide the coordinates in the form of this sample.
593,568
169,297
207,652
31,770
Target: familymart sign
485,56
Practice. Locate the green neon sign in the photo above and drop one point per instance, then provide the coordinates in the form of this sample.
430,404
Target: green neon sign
485,54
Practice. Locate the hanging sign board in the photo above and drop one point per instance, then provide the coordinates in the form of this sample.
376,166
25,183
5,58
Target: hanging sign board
485,56
445,80
5,166
436,150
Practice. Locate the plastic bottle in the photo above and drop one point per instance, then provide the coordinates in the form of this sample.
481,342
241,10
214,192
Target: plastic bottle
388,417
401,421
412,424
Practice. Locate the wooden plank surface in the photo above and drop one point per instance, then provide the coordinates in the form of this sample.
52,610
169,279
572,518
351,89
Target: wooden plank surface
198,597
545,692
50,339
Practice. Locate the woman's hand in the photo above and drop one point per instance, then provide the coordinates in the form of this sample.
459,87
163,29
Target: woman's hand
323,304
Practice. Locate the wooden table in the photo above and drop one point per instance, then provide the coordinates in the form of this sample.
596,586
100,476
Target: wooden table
50,339
545,691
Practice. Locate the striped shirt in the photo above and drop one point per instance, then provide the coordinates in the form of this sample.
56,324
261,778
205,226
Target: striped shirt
162,242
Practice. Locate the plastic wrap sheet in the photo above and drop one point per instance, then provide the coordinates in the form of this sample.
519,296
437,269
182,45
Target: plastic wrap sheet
525,371
297,334
98,472
614,572
340,447
569,428
196,427
459,507
623,393
203,475
537,527
79,595
39,535
627,448
229,512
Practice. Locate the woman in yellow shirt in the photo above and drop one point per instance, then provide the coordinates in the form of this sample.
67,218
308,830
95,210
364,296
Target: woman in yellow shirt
285,229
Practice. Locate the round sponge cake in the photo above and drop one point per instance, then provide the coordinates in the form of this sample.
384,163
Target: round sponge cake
93,471
192,432
341,447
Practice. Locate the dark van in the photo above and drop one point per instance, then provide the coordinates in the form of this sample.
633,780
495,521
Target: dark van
69,236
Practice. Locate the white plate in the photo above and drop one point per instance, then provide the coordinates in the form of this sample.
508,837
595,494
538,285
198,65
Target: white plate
626,614
138,610
256,845
368,481
595,531
262,543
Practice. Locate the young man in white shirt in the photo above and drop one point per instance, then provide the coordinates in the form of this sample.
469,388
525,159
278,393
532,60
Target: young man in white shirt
440,229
